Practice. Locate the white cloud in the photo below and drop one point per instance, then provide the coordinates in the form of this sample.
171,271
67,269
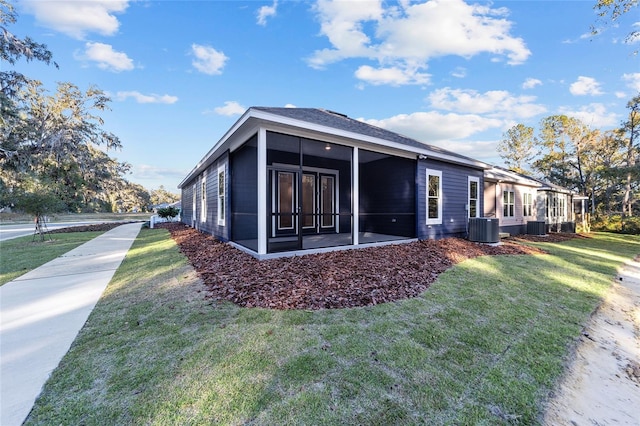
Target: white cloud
494,103
407,36
594,115
585,86
459,72
290,106
431,127
530,83
146,99
230,108
633,80
208,60
106,58
77,18
620,95
266,12
393,76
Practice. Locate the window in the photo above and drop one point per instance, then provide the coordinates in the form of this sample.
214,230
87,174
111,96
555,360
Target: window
474,183
194,197
203,205
434,197
221,196
527,204
508,203
561,206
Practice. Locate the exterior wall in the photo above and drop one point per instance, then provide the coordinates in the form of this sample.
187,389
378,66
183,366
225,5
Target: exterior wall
243,173
494,206
455,199
208,222
187,208
387,196
563,220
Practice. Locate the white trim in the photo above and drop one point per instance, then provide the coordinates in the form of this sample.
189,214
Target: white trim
438,220
477,181
262,192
355,213
222,200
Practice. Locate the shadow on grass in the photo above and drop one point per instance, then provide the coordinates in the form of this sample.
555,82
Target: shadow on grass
485,344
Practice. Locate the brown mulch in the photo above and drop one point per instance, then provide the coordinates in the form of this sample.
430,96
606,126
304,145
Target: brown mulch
98,227
339,279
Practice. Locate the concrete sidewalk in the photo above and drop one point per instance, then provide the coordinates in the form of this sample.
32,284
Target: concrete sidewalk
42,311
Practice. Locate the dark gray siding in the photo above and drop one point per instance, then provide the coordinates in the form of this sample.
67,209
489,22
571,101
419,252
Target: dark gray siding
455,193
208,224
244,194
388,196
186,214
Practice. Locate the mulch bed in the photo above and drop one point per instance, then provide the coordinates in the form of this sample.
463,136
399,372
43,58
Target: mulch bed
98,227
339,279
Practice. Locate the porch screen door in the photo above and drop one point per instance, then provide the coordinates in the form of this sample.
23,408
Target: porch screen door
286,201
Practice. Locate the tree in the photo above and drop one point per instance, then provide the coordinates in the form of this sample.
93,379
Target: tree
565,143
13,49
517,148
39,202
631,131
609,11
57,139
161,196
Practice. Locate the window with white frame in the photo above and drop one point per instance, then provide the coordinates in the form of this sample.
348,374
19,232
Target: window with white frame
203,196
221,195
474,191
194,198
527,204
508,203
561,206
434,197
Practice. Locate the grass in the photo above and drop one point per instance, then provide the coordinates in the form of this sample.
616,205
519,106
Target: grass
484,345
20,255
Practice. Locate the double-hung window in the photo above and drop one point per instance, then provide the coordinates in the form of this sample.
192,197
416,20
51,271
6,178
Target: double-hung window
527,204
203,204
474,183
508,203
221,195
434,197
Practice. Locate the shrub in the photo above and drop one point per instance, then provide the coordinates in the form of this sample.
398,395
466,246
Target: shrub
615,223
168,212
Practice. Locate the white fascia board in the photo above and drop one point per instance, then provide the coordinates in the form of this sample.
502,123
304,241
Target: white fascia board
203,163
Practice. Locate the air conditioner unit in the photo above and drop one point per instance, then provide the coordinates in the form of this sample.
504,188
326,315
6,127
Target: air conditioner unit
536,227
484,230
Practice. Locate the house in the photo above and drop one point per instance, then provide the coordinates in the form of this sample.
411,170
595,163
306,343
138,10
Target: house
299,180
524,204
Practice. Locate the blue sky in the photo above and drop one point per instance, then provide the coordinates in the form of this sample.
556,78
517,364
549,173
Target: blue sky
446,72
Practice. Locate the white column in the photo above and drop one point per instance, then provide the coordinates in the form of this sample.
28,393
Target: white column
356,197
262,191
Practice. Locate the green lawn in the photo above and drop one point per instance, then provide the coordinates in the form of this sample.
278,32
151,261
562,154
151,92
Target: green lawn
20,255
484,345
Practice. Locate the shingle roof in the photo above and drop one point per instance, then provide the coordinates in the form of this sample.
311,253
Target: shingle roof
342,122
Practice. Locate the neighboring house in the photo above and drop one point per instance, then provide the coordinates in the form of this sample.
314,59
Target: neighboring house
511,198
301,179
556,207
518,200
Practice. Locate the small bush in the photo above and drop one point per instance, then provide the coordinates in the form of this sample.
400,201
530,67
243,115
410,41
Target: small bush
615,223
168,212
